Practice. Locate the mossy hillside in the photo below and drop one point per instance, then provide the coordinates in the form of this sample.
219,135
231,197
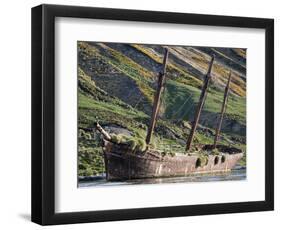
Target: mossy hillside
170,135
183,73
240,52
180,101
173,71
178,73
120,64
125,65
213,101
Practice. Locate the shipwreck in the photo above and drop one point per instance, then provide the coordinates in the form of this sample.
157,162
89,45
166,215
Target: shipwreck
122,162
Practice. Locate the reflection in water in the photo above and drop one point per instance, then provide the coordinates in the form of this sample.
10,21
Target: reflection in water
235,174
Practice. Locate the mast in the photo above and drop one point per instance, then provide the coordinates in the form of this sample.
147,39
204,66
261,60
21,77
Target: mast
156,103
200,105
223,108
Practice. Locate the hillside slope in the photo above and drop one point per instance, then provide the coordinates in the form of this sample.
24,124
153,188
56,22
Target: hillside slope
116,86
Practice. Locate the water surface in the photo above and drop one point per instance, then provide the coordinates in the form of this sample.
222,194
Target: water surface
236,174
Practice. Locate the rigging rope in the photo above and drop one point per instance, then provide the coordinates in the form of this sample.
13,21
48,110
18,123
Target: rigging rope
140,98
181,107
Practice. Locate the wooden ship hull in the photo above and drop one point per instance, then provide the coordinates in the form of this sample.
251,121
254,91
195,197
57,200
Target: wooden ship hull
123,164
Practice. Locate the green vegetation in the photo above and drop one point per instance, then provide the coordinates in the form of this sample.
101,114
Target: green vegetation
90,158
134,143
172,69
129,68
215,152
180,101
127,123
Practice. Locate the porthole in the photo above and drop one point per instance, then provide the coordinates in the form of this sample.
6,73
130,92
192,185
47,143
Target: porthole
216,160
222,159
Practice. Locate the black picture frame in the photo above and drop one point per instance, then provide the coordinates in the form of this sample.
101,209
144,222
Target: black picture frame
43,114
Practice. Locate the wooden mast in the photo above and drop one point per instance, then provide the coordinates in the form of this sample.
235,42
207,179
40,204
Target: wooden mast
200,105
155,110
222,111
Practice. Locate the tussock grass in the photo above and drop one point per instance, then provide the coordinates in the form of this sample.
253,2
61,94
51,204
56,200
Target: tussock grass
134,143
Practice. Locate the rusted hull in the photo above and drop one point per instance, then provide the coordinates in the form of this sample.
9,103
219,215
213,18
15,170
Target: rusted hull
126,165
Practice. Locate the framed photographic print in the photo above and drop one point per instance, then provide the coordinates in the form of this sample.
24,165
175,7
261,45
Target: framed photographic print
142,114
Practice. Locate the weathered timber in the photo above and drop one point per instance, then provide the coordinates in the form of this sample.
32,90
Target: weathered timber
200,105
223,108
156,103
105,134
123,164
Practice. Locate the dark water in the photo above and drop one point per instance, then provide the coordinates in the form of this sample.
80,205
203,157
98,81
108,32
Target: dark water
234,175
